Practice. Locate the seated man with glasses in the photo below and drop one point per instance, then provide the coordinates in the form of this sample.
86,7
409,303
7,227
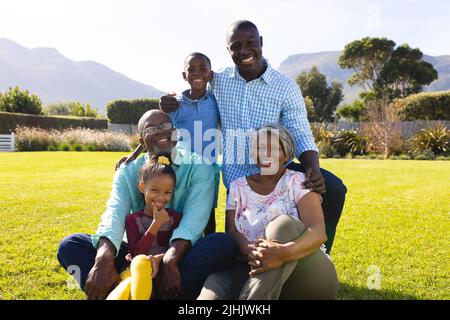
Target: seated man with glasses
98,259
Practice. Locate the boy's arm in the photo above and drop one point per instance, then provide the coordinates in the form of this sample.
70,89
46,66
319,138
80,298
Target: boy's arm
127,159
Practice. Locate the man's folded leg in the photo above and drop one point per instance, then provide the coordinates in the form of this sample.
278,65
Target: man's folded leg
76,254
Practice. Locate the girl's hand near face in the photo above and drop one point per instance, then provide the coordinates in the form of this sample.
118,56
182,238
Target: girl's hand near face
161,216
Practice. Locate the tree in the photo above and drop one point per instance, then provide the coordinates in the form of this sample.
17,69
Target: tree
406,73
353,111
325,99
367,58
18,101
385,71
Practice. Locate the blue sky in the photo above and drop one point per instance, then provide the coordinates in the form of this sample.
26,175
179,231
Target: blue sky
148,40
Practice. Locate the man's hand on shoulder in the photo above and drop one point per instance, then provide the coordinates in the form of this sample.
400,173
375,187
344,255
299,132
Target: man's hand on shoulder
314,180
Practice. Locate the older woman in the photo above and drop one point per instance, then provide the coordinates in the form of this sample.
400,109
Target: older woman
279,229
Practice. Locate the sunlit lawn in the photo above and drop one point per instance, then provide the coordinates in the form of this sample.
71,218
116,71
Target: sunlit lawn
396,217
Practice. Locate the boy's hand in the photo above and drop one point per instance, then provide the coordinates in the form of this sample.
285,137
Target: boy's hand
168,103
160,216
131,157
121,160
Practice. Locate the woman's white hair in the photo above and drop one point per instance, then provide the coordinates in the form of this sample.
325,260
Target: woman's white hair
285,139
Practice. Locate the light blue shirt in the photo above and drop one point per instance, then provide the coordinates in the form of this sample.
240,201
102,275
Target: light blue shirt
272,98
200,118
193,197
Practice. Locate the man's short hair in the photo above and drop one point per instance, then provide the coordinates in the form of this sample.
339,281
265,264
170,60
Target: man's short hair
241,24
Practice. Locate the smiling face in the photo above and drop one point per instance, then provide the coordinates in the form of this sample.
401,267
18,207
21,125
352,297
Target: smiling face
158,190
245,47
197,72
270,157
158,134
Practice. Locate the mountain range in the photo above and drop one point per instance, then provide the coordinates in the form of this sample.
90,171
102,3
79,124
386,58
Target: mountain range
327,63
53,77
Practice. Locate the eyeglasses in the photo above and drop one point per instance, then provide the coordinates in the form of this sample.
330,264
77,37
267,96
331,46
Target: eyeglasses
162,127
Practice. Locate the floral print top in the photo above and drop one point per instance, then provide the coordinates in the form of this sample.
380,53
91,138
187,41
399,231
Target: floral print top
254,211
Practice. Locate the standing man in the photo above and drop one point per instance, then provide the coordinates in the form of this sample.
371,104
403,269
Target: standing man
252,94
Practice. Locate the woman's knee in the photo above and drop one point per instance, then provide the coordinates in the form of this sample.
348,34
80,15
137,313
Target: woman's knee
284,229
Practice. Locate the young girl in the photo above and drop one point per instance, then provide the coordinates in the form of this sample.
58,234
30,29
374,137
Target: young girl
148,231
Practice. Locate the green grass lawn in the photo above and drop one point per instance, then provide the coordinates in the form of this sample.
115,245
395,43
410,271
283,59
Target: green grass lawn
396,217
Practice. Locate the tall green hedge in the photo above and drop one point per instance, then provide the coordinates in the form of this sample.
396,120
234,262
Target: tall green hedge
425,106
129,111
10,121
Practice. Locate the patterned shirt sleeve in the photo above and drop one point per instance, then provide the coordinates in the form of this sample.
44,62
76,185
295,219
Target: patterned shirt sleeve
232,197
296,186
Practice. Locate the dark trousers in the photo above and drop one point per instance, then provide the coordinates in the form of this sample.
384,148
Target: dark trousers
213,253
333,201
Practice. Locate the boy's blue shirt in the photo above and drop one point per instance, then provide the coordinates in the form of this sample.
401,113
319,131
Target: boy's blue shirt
204,111
193,197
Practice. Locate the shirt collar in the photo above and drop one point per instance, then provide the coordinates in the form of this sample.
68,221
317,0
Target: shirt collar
181,156
185,98
266,76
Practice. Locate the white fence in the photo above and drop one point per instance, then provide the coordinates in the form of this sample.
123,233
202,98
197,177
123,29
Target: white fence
7,142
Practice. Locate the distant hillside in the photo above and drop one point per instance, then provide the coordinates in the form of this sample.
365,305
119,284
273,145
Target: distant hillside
50,75
326,62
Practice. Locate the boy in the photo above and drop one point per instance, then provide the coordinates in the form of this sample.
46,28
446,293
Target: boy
197,113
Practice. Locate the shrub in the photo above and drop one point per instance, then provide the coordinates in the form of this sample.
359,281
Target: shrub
20,101
129,111
425,106
436,139
33,139
64,147
77,147
421,157
52,148
353,112
382,131
70,108
91,147
339,142
404,157
10,121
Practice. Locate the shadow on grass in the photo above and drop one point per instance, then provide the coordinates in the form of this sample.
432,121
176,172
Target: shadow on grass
347,292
